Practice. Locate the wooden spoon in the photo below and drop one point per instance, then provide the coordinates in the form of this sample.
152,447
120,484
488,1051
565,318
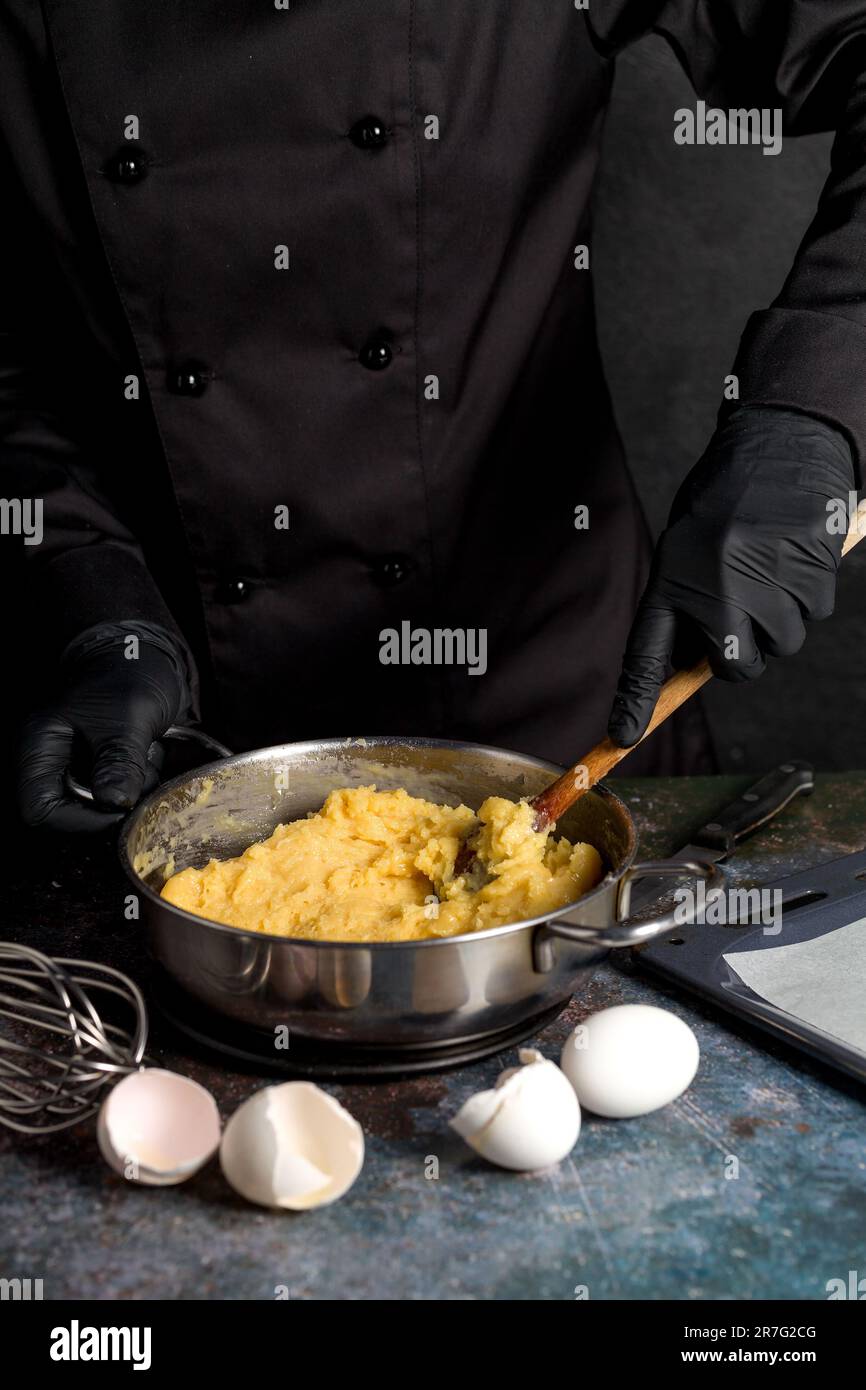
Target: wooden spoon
556,799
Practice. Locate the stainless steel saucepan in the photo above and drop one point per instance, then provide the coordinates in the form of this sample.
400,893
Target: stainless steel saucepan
386,997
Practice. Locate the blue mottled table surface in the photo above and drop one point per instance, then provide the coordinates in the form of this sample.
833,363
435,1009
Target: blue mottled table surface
642,1209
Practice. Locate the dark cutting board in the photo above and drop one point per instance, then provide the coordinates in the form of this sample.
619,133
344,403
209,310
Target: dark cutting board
814,903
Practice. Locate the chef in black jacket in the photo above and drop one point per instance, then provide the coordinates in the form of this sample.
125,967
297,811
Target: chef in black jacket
299,346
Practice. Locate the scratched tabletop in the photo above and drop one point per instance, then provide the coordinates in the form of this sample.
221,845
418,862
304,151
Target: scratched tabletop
643,1209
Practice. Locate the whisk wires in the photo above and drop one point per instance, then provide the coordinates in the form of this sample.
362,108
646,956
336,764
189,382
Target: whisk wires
57,1052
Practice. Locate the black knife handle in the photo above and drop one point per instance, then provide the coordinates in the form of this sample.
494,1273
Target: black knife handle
756,806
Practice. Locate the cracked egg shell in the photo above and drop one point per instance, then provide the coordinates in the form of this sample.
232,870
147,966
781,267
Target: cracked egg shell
292,1146
530,1120
158,1128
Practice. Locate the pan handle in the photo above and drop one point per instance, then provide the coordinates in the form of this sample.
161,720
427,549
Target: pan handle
621,932
179,733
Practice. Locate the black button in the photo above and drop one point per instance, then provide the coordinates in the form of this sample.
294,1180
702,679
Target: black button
376,355
186,380
392,570
127,166
369,133
233,590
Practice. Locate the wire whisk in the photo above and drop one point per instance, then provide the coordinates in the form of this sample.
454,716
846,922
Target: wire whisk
57,1052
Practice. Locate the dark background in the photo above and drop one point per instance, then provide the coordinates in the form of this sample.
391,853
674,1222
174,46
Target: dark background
688,242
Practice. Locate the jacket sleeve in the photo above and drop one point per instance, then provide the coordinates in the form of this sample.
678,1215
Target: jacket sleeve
79,562
807,58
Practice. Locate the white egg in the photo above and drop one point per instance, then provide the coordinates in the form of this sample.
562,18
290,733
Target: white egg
292,1146
630,1060
158,1128
531,1119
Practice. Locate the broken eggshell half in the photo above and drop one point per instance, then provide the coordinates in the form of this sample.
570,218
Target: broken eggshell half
292,1146
530,1120
157,1127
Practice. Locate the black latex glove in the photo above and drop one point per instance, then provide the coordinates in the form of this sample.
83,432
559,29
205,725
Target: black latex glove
750,552
109,711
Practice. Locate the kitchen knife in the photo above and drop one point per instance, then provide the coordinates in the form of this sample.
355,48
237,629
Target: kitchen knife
740,819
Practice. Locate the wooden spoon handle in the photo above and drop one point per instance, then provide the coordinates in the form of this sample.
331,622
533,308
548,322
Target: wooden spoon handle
555,800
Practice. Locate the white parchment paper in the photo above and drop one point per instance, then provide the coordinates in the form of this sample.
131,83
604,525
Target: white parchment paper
822,982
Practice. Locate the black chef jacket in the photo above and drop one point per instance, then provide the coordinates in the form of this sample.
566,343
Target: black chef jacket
298,345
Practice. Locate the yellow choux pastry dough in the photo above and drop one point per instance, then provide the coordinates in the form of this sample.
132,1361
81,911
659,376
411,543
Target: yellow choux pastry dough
379,866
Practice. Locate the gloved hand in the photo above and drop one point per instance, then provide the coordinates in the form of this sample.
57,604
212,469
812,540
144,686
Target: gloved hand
749,554
110,709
